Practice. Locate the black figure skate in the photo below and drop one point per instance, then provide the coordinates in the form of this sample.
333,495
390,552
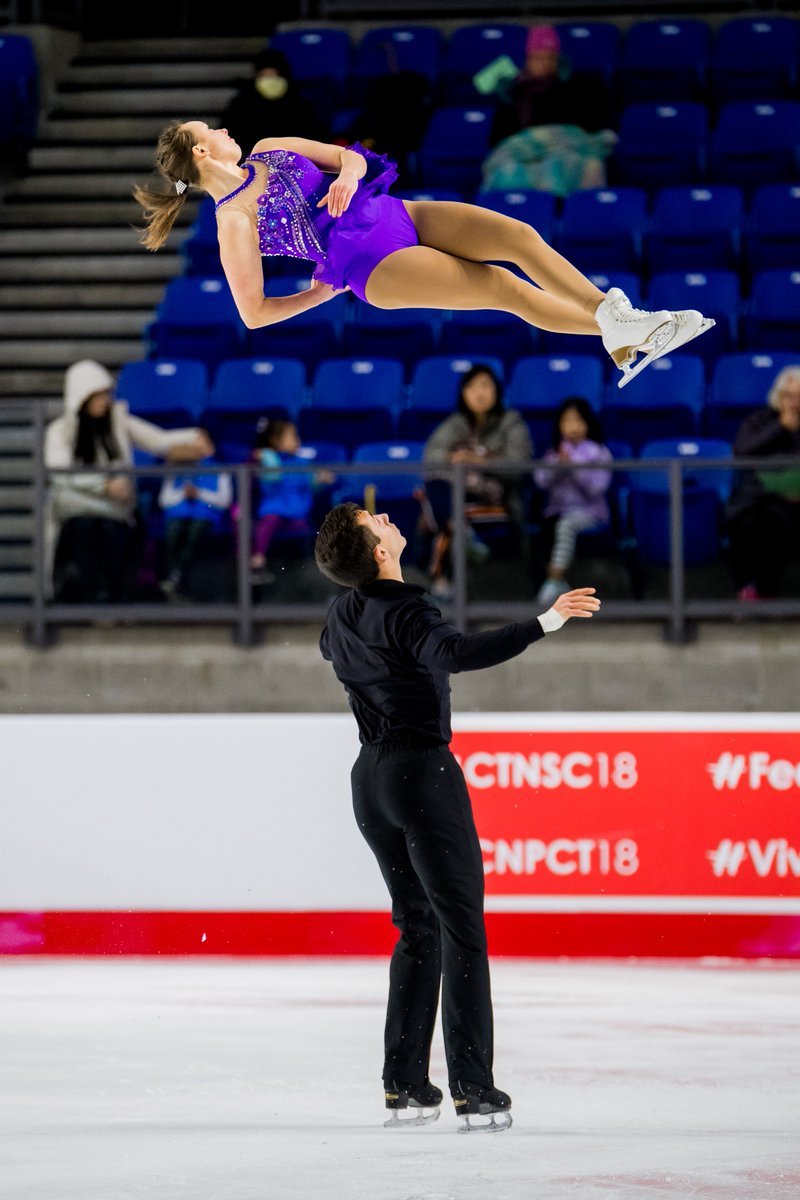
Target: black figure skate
423,1097
473,1101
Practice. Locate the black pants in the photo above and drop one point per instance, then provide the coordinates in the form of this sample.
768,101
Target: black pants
413,808
94,561
185,537
764,538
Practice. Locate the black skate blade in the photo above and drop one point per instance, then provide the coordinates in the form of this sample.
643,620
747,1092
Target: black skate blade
497,1123
420,1118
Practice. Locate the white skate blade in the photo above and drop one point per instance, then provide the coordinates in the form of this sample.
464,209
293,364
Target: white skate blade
497,1122
421,1117
680,338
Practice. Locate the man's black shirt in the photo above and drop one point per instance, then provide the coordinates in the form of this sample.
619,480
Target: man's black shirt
394,653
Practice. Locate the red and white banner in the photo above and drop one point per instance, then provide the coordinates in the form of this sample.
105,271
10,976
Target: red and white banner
601,834
629,819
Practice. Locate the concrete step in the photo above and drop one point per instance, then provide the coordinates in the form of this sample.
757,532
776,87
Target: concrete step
133,268
101,323
74,214
30,381
107,130
155,74
80,295
60,352
15,497
91,158
141,101
74,241
15,557
16,528
16,585
169,50
88,186
14,469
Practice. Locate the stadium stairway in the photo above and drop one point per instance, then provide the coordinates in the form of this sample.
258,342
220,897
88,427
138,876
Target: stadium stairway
74,281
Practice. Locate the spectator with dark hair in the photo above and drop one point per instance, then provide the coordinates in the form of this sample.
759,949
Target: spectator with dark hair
481,429
269,104
576,500
285,498
93,512
764,510
194,503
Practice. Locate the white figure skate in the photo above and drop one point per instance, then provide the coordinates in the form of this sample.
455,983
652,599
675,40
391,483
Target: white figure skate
633,333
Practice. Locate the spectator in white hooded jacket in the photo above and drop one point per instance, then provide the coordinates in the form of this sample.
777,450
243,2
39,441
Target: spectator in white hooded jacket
92,513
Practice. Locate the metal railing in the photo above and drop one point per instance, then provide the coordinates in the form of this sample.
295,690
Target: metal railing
41,617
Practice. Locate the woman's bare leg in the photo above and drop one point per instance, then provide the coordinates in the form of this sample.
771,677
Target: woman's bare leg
420,277
480,235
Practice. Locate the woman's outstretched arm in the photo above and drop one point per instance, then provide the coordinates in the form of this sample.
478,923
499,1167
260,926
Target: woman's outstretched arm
241,262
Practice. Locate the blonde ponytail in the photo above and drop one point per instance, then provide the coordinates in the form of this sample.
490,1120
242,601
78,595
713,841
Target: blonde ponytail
175,163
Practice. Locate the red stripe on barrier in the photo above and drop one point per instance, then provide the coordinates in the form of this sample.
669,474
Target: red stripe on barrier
534,935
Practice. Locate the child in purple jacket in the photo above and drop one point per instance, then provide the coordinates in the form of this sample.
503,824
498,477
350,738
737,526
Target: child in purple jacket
576,500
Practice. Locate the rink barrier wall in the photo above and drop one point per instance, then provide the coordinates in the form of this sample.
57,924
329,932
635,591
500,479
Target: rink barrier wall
602,834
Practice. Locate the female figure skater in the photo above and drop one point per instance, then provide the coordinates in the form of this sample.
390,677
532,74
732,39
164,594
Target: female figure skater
392,253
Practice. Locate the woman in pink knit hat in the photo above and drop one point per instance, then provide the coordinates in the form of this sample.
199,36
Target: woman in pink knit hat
546,92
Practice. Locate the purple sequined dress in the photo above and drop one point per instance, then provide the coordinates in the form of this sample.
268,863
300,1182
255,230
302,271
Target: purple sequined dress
346,248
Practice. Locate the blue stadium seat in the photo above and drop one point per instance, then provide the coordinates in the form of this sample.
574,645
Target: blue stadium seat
755,143
245,390
593,48
353,400
311,336
170,392
774,318
718,480
473,47
455,144
429,194
320,61
662,144
704,494
405,334
534,208
665,60
602,228
434,392
755,58
740,384
650,517
197,319
666,402
696,228
487,333
773,239
539,385
200,250
393,48
714,293
394,493
323,452
19,86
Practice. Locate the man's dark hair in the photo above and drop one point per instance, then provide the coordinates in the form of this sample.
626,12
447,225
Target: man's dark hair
344,548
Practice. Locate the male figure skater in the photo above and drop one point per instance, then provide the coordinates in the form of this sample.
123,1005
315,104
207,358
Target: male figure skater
394,653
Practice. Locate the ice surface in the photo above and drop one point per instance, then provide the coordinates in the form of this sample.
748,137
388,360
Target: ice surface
230,1080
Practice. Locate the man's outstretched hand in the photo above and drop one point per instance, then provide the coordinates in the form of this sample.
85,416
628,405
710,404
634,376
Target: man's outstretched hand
581,602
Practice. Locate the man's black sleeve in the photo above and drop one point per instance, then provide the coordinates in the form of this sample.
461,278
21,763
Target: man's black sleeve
432,641
323,645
